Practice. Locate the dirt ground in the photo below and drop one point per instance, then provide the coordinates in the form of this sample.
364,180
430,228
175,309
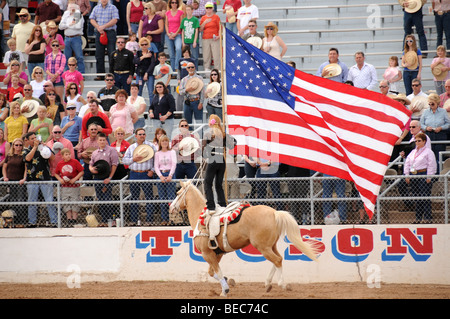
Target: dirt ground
188,290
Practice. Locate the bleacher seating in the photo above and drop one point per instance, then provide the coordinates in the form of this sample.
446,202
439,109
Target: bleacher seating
310,29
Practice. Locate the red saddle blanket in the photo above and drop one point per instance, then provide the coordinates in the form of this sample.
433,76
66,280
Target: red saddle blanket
228,217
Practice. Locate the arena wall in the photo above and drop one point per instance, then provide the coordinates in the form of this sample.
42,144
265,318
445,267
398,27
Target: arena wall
416,254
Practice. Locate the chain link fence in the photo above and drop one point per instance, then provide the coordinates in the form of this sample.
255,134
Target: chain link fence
146,203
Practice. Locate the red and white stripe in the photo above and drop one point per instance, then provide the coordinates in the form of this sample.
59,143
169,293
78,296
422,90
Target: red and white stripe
335,129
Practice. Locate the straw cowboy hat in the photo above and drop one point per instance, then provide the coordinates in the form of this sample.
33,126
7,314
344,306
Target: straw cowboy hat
438,73
189,146
401,97
89,152
412,60
334,70
390,73
273,25
24,11
256,41
418,105
195,83
413,5
215,89
51,24
229,9
144,150
32,108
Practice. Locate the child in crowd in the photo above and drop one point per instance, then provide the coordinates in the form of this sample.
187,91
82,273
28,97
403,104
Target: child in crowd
132,44
394,82
152,46
68,172
14,89
12,55
159,76
190,26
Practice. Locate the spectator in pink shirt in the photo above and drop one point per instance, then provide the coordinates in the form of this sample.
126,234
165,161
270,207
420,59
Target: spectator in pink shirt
421,161
165,164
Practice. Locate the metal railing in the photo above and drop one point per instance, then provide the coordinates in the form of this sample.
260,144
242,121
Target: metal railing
133,202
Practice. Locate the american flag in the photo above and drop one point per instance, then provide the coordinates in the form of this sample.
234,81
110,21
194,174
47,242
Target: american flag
277,112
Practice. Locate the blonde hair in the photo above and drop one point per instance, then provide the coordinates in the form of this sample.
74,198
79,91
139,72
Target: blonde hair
11,150
433,97
272,25
142,40
216,125
163,138
119,129
12,105
36,68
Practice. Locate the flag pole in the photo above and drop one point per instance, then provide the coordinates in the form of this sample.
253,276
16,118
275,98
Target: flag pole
222,36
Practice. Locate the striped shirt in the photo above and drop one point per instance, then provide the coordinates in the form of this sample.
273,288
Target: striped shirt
103,15
145,166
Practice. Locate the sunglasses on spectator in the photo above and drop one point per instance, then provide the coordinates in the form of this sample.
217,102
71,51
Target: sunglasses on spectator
71,64
412,126
190,67
57,132
51,94
184,125
55,45
14,65
18,145
109,80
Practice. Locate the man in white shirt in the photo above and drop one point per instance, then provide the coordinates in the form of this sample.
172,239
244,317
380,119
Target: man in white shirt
417,90
72,23
245,13
362,74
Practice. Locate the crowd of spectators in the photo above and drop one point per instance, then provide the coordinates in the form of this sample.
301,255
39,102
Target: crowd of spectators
47,109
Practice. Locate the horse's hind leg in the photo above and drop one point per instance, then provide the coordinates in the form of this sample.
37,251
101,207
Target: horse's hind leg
272,255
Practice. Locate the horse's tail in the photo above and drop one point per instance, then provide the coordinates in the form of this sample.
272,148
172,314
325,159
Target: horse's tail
286,223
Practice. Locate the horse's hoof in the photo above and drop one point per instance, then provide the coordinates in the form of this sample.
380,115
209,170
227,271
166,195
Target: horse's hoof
224,293
231,282
268,287
288,287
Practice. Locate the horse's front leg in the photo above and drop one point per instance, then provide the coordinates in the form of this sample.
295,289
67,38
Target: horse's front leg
214,269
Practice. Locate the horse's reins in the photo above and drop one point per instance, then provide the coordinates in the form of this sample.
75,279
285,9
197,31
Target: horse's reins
198,175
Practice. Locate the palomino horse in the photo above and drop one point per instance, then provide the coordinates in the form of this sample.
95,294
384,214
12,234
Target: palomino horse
259,225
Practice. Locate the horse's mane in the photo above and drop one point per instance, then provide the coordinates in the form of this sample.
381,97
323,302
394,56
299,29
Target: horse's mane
195,189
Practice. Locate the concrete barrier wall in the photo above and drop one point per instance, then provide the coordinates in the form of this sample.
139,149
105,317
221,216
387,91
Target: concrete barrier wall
391,254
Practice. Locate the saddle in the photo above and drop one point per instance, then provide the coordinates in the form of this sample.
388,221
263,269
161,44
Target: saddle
222,216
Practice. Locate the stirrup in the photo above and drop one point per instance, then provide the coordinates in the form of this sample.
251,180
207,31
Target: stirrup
212,244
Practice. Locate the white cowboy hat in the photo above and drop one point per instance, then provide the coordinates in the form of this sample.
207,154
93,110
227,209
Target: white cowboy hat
215,89
32,108
390,73
46,152
195,83
413,5
256,41
144,150
83,42
418,105
412,60
189,144
57,147
438,73
334,70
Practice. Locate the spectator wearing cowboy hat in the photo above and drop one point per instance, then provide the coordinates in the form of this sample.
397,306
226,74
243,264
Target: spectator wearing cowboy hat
139,158
22,31
441,10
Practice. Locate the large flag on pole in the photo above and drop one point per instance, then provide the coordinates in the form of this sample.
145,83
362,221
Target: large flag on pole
275,111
